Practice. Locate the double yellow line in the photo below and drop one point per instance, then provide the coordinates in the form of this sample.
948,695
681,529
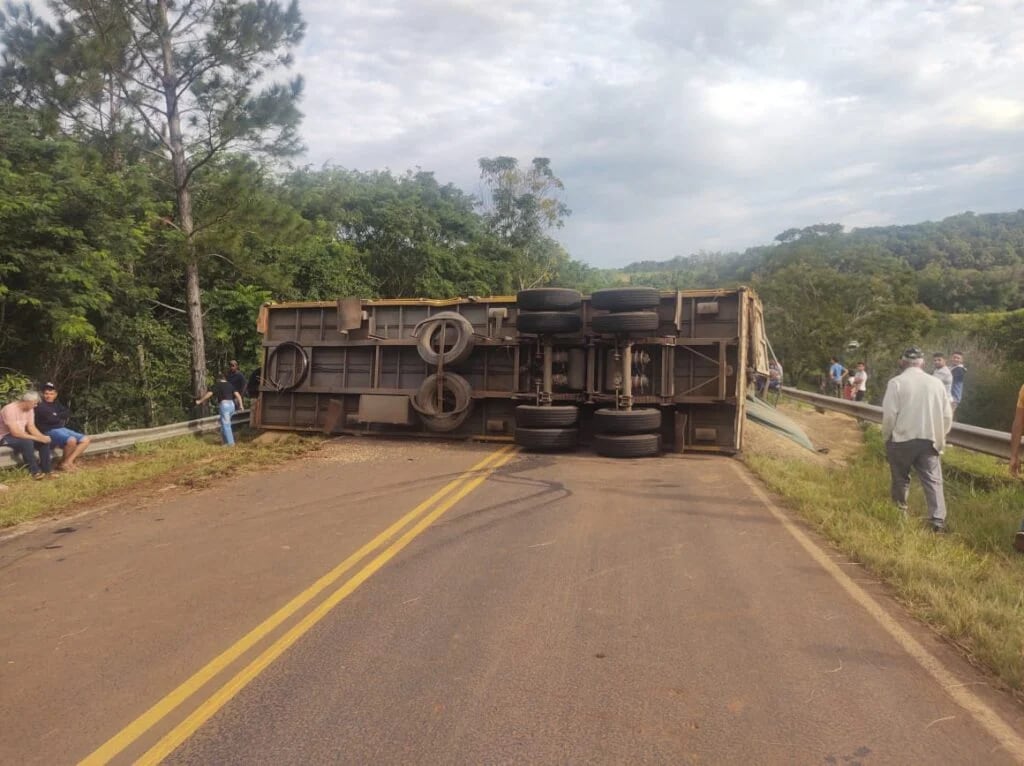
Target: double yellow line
437,504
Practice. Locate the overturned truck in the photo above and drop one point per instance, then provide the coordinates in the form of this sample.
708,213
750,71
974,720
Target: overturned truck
629,371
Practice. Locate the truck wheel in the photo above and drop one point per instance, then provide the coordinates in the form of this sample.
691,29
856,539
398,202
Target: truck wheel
628,445
432,349
548,323
549,299
532,416
625,299
626,322
608,421
546,439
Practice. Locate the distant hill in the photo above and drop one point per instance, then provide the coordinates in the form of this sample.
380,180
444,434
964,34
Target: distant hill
964,263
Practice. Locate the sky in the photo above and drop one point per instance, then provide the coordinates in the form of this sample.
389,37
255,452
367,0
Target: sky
682,126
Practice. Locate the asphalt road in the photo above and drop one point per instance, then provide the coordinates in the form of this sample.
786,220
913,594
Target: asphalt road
562,609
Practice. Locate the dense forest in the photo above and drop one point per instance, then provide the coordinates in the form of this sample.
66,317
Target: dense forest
148,207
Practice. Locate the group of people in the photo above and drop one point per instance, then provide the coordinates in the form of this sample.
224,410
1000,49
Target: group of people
853,384
36,424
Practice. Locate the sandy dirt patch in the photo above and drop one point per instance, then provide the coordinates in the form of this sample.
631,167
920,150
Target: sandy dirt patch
839,434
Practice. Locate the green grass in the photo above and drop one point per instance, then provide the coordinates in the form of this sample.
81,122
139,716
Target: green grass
967,584
187,461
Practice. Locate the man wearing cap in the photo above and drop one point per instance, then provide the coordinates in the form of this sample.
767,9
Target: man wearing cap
916,416
18,431
52,420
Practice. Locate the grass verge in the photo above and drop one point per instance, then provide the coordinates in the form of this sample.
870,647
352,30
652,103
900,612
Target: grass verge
188,461
967,584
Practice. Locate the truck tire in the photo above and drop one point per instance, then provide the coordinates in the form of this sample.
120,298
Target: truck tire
532,416
432,326
548,323
625,299
547,439
454,408
641,421
626,322
628,445
549,299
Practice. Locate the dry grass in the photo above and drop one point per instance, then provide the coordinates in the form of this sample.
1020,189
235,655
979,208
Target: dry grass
967,584
187,461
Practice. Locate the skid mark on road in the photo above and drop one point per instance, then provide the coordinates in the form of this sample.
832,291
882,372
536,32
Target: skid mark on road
440,502
1008,738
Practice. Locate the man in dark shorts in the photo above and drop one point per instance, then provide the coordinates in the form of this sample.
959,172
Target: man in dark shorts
52,420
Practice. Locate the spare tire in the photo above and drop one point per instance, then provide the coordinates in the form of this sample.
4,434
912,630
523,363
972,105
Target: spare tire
532,416
548,322
626,322
628,445
549,299
454,406
546,439
626,299
640,421
436,325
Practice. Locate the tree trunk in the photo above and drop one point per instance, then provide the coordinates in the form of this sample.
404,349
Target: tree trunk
193,296
147,393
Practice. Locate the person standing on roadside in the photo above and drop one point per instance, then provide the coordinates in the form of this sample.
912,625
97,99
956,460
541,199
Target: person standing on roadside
227,397
916,416
18,431
836,371
1016,432
942,372
860,382
52,419
236,378
959,372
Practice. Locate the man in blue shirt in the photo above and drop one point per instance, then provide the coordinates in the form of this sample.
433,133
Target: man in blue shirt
836,371
959,372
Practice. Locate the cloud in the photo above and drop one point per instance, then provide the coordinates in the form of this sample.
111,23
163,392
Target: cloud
678,126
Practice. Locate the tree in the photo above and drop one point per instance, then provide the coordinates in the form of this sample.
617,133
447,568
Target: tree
524,205
193,77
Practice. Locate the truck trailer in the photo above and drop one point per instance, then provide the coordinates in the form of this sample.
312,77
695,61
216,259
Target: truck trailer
629,371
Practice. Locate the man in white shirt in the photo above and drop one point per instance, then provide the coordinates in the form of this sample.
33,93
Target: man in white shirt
916,416
860,382
943,373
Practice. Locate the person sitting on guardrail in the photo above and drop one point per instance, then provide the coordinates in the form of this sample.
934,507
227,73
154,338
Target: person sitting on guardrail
227,397
52,419
18,431
916,416
1016,432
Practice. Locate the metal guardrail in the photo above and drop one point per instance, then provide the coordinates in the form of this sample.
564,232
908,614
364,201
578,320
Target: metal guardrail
119,440
984,440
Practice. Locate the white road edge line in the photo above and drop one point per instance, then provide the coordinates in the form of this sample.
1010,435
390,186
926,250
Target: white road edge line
1005,734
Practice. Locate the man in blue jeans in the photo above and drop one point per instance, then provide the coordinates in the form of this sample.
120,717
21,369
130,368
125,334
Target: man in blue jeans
226,397
18,431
